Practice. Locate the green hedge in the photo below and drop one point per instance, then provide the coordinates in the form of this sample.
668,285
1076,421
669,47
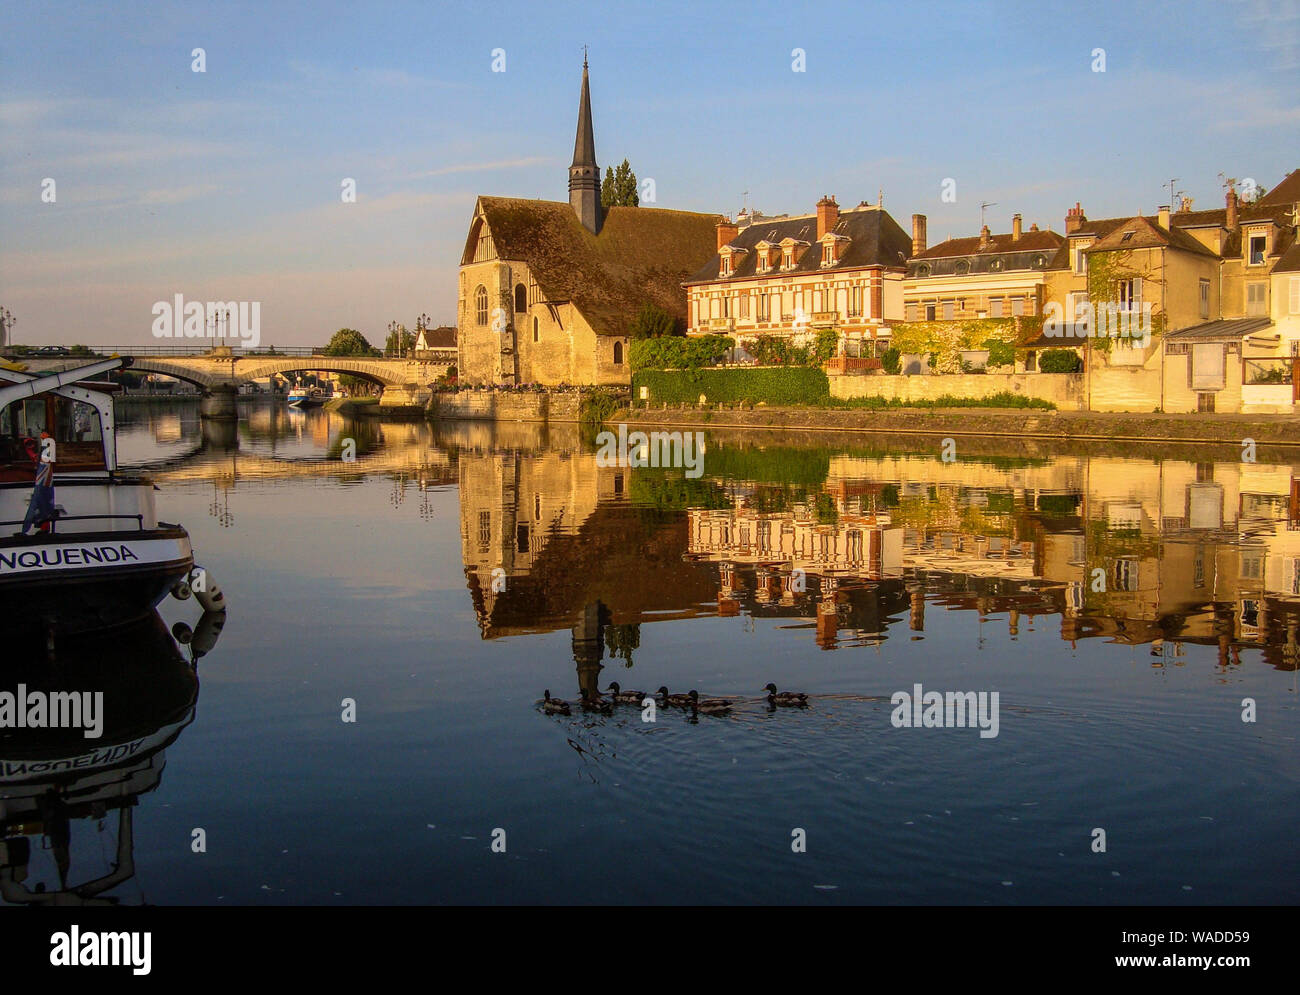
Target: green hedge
1002,399
784,385
678,353
1060,361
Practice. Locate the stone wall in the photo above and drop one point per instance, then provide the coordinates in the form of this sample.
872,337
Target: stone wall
1065,390
476,405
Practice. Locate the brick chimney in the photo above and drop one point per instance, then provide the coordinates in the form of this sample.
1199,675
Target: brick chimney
1074,219
828,215
984,238
1034,226
1016,222
1162,218
1232,222
918,234
727,230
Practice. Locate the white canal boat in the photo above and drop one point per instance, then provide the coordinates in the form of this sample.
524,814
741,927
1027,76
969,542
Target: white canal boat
105,560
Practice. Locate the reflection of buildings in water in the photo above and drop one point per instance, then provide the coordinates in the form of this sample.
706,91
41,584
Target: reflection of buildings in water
55,783
1163,553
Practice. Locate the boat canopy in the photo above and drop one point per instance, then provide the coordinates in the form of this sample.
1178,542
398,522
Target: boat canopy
24,385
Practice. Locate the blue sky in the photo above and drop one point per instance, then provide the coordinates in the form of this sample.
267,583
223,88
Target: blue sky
226,184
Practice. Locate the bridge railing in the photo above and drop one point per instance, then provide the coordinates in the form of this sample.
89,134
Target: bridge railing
198,350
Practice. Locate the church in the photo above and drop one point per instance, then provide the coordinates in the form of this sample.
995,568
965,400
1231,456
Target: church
548,289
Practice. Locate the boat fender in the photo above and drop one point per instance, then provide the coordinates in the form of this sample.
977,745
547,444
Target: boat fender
207,593
207,632
181,591
182,633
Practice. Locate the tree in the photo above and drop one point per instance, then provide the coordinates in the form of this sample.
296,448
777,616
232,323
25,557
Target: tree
653,322
349,342
400,342
619,188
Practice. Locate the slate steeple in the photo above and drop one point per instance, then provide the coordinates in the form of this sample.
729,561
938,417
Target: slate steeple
584,174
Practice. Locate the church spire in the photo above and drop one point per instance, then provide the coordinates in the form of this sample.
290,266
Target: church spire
584,174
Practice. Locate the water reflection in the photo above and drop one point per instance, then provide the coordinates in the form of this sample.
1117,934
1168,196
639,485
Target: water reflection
67,802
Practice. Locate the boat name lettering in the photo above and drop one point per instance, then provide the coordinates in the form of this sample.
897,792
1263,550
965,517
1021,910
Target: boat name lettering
66,556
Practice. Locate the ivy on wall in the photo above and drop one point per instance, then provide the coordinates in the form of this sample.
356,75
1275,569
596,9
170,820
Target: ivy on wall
946,340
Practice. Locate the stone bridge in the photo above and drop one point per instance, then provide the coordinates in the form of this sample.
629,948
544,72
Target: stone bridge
404,382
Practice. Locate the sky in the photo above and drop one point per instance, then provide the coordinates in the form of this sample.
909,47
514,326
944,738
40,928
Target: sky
227,184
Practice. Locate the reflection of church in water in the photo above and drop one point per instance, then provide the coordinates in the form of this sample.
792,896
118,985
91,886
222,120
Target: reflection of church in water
1159,554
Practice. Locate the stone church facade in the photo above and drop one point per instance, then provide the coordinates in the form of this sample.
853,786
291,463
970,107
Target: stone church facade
547,289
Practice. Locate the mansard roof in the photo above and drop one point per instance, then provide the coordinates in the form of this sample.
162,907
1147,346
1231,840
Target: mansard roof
875,239
1033,250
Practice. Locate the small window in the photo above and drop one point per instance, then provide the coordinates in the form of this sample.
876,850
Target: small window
1017,306
948,310
1257,246
963,267
910,312
995,307
618,353
1205,298
995,265
828,254
521,298
726,265
923,270
536,335
1128,235
480,305
929,312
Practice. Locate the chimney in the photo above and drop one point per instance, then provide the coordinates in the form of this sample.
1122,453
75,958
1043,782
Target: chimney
918,234
984,238
1232,223
1034,226
1074,219
828,215
1015,227
1162,218
727,230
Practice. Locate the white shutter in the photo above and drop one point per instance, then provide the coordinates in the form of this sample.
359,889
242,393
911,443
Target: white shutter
1137,291
1295,295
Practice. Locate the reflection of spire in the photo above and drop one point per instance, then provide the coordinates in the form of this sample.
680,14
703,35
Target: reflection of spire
589,647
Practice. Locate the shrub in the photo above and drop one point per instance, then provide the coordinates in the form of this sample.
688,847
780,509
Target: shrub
1001,353
892,360
678,353
1060,361
790,385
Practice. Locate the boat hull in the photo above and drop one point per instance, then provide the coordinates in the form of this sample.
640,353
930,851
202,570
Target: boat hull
87,581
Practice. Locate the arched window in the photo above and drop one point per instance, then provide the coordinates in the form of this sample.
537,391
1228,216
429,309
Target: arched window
480,304
618,353
535,335
521,297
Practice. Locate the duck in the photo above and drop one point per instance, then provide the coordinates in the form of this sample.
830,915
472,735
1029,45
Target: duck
593,702
674,700
553,706
709,706
785,699
622,697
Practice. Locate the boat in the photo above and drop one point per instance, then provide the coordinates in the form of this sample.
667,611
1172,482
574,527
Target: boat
105,560
307,397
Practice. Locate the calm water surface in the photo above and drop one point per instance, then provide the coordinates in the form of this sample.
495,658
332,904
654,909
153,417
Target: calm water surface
1121,606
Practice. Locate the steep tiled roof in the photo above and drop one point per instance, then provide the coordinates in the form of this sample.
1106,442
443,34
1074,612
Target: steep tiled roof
1245,214
641,255
1290,261
1029,241
442,337
1287,192
1143,233
875,240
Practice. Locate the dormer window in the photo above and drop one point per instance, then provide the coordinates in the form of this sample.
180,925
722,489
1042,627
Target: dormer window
963,267
1257,248
1128,235
726,265
828,254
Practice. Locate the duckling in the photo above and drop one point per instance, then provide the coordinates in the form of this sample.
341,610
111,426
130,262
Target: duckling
785,699
553,706
622,697
709,706
593,702
673,700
